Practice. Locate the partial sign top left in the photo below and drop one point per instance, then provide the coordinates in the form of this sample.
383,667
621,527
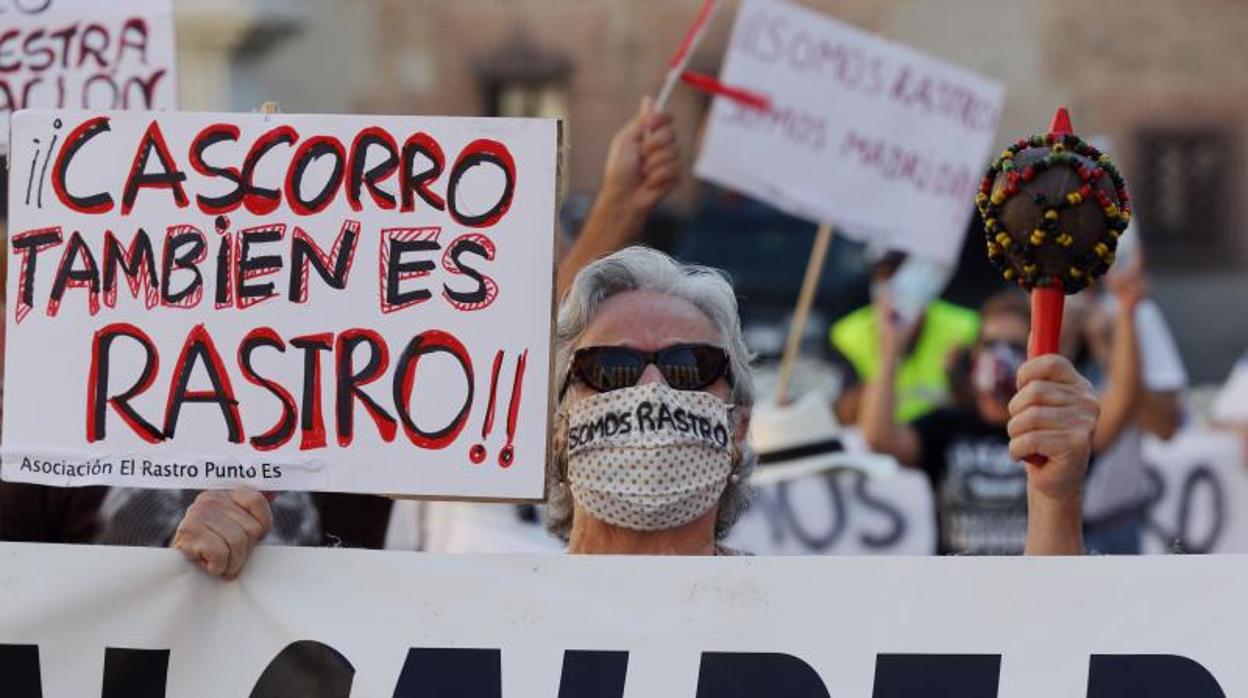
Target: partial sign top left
338,303
85,54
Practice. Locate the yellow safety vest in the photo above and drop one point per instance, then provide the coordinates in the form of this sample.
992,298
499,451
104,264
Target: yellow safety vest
922,377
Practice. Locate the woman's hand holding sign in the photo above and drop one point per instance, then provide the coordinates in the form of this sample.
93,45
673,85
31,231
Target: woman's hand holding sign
221,528
1053,414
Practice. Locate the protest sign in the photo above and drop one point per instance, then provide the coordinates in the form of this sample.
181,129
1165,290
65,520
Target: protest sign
856,126
333,623
1197,493
85,54
842,512
339,303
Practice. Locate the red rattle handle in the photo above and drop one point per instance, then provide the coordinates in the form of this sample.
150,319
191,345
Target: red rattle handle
1046,320
1046,330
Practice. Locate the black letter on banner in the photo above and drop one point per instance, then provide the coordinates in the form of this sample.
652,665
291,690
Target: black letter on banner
97,383
396,268
451,673
177,258
259,265
962,675
753,674
591,674
94,203
458,249
306,669
481,152
199,348
19,671
131,673
29,245
428,342
1150,676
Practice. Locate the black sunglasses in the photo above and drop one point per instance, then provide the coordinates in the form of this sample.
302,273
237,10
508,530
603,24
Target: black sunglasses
684,366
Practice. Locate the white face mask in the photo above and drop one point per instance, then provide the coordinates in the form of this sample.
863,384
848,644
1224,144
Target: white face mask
649,457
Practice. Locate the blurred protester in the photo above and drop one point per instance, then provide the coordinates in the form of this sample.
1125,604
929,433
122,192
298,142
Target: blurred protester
1230,408
937,330
973,452
1119,338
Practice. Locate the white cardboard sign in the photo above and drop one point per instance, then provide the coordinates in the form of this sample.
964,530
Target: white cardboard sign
1198,493
85,54
337,303
885,141
843,512
339,623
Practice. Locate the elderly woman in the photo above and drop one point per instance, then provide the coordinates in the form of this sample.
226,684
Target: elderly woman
654,398
650,454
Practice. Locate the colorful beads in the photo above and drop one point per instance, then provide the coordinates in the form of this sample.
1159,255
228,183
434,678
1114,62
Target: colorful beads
1016,258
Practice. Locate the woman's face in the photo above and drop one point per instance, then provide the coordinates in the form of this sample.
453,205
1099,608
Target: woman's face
649,321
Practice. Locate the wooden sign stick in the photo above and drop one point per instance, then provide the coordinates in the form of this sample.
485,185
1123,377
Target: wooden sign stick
805,299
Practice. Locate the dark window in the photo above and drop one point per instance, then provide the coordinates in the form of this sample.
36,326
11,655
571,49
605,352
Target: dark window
1182,196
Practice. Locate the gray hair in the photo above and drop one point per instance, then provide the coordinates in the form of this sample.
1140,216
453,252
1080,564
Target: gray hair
645,269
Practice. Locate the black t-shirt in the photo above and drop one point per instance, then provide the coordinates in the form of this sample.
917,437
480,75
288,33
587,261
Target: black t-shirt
981,493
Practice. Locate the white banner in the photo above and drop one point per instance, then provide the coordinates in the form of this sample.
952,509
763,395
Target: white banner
334,303
334,623
869,134
85,54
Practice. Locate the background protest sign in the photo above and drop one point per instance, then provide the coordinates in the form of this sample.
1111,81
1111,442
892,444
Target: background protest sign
1198,493
339,303
381,624
85,54
856,124
842,512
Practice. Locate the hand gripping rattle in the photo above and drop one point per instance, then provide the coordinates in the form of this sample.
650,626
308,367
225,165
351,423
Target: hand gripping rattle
1053,208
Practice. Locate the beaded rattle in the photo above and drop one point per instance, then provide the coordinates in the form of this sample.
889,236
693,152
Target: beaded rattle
1053,208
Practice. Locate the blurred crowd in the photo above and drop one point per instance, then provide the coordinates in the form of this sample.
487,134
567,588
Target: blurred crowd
939,387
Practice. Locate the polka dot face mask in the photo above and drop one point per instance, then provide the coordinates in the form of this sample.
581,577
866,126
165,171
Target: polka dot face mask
649,458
